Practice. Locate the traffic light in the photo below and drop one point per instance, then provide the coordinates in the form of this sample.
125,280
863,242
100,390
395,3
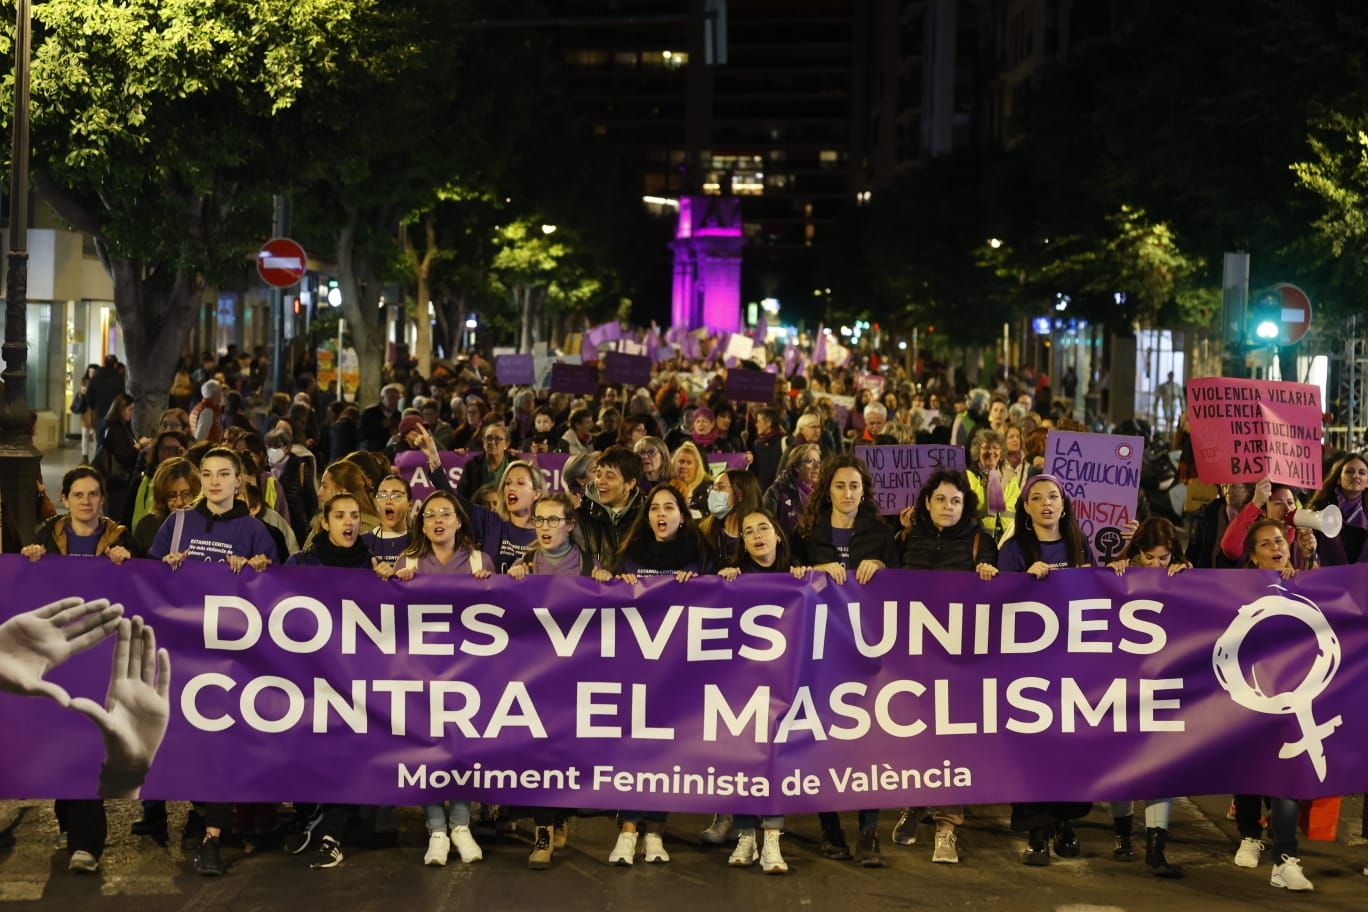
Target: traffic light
1265,325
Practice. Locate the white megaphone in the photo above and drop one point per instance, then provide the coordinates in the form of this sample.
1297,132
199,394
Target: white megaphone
1327,522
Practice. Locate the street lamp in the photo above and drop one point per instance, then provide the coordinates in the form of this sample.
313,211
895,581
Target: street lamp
548,229
18,458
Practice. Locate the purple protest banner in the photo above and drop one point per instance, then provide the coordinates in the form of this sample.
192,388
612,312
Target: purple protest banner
769,694
412,466
581,379
900,471
515,370
1249,430
749,386
1101,475
630,369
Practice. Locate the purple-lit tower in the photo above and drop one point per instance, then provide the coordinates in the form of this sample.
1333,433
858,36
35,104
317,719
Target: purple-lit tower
707,264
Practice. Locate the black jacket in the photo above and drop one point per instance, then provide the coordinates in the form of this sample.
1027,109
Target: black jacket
600,532
1204,547
929,548
870,539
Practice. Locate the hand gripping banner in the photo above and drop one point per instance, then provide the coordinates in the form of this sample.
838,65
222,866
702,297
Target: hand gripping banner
766,695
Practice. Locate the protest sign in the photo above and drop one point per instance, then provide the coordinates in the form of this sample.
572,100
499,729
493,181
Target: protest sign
739,346
515,370
841,406
581,379
721,462
763,695
634,370
631,347
874,383
1249,430
749,386
412,466
1101,475
900,471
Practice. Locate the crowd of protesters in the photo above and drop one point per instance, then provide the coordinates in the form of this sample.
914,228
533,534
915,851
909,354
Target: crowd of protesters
304,478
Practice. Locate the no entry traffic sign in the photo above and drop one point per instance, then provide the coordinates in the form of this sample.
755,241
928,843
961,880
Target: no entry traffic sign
281,262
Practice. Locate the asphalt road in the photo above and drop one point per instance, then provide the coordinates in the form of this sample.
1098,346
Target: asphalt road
139,876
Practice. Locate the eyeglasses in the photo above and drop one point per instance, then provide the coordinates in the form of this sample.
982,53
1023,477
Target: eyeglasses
495,438
391,495
753,531
179,497
439,514
551,522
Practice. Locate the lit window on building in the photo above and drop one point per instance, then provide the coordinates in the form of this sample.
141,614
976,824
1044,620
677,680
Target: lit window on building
669,59
586,57
625,58
778,181
829,158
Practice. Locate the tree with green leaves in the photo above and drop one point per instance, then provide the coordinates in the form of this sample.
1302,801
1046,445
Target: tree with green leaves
155,130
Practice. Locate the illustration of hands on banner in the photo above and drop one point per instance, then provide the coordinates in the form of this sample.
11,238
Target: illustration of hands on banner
137,707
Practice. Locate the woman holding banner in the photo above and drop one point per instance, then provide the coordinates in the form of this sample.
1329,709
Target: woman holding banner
945,535
1266,548
663,541
1153,545
555,553
842,531
443,543
765,550
1045,537
995,489
1344,486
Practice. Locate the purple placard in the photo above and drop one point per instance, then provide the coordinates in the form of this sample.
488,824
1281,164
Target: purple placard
412,466
721,462
1101,475
767,694
630,369
515,370
750,386
900,471
581,379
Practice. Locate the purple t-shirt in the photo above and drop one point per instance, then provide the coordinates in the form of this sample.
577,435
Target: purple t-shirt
840,539
386,547
1053,553
505,540
82,545
241,536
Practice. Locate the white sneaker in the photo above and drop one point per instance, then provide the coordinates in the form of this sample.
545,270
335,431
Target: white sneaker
745,854
624,853
655,849
439,847
945,851
718,831
1247,855
83,862
1288,875
465,843
771,860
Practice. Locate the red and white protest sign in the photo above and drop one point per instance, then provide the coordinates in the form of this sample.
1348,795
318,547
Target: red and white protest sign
1249,430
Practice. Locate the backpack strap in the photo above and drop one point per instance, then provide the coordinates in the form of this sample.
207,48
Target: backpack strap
410,563
177,531
476,561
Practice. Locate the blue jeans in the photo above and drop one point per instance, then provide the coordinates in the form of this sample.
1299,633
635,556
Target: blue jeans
439,819
750,822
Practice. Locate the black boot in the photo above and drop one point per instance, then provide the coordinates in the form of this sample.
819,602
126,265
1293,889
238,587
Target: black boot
1065,842
1155,837
1124,851
1037,847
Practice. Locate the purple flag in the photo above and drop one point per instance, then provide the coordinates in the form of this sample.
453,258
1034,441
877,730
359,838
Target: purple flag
819,348
764,695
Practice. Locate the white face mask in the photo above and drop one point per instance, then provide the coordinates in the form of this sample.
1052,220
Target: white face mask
719,503
274,455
